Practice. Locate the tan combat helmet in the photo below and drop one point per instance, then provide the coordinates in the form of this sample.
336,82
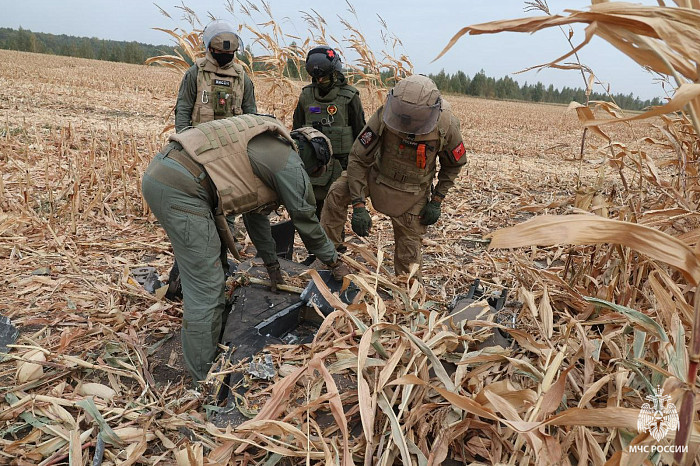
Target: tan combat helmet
220,36
413,106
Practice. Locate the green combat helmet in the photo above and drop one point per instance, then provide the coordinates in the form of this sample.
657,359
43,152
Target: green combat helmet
322,61
322,64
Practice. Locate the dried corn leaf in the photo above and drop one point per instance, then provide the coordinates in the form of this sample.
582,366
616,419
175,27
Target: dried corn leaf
548,230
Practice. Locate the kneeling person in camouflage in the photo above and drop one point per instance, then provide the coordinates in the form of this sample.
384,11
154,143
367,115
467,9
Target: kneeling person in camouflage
240,165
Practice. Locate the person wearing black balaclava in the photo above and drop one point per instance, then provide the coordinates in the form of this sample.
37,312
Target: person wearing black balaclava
215,86
332,106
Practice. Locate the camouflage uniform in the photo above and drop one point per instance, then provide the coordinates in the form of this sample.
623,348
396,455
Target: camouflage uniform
396,170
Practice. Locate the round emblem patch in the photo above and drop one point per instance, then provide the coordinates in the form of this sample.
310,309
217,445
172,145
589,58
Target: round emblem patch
332,109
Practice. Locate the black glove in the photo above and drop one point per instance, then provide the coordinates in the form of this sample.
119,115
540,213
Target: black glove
275,274
430,213
361,221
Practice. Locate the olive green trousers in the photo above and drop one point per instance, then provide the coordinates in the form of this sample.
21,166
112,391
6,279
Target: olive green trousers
407,228
184,211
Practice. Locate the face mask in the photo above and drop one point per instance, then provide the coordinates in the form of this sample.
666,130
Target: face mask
325,82
222,59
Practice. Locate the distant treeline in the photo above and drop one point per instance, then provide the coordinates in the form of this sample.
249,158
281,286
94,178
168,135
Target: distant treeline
507,88
83,47
459,83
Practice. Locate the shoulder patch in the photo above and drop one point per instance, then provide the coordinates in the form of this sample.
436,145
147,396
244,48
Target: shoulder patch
459,151
366,137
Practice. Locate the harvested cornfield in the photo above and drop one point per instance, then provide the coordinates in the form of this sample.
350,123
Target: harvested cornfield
592,330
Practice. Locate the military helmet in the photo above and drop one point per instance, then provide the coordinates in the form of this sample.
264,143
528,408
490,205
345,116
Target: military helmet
314,149
322,61
413,106
220,35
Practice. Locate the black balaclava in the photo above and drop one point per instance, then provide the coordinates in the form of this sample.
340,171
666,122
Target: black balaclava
222,59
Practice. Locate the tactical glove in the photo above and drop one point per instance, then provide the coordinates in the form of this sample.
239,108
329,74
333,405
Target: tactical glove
275,274
338,270
361,221
430,213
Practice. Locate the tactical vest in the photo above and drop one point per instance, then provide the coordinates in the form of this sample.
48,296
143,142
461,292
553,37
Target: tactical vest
221,147
219,91
331,112
403,172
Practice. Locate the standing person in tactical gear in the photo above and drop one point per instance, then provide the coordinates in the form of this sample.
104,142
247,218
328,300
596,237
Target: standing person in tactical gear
215,86
394,162
239,165
332,106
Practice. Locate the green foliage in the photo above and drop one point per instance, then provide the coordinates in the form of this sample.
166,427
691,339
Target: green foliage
507,88
83,47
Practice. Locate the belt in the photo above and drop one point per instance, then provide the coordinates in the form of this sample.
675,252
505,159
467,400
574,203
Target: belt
195,170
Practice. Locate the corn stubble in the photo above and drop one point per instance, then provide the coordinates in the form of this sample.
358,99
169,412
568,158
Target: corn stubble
604,303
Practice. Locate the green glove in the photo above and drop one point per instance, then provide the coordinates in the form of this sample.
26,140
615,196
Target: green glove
361,221
430,213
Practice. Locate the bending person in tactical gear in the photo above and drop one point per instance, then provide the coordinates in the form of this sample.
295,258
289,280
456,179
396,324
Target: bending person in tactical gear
240,165
394,161
215,86
332,106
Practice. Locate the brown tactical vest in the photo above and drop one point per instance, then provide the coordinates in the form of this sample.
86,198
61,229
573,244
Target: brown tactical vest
219,91
221,147
402,176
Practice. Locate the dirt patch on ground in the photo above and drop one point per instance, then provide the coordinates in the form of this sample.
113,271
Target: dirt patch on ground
166,362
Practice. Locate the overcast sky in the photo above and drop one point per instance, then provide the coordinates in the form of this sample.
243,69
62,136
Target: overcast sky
423,26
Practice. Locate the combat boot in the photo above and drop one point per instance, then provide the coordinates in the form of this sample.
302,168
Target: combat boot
339,270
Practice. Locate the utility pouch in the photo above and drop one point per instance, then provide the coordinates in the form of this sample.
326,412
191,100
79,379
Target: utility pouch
222,103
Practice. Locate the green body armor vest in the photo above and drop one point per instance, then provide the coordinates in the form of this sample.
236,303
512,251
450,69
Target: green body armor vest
221,147
331,112
219,92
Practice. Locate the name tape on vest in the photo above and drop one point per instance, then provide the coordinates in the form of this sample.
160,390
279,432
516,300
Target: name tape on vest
222,82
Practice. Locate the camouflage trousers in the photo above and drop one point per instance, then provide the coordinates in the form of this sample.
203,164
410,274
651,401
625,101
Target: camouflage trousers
408,230
183,208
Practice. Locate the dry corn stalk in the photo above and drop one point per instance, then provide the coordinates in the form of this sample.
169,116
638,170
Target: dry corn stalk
665,39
